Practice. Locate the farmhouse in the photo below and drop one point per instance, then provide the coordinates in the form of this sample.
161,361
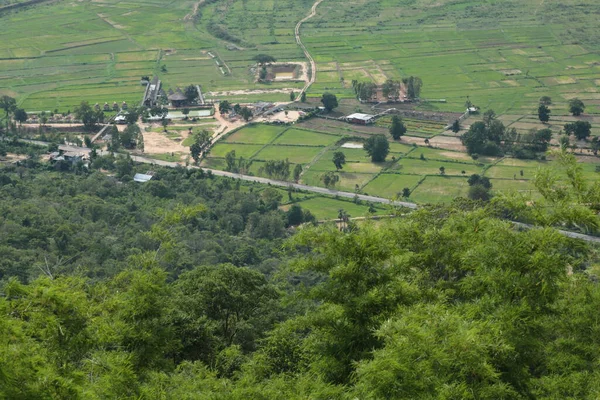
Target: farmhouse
360,119
177,98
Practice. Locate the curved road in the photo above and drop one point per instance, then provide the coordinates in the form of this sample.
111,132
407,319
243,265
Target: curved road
313,65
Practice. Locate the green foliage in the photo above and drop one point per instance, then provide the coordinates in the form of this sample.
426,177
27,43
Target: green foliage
580,129
576,106
377,147
87,115
329,101
397,128
339,159
329,179
413,85
201,145
543,113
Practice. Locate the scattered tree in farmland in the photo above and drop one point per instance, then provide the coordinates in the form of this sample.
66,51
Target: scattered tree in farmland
576,106
397,128
329,101
339,159
377,147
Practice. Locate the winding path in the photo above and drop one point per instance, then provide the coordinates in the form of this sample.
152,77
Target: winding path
313,65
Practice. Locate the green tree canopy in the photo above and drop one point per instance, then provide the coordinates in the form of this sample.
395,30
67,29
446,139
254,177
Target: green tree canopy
329,101
377,147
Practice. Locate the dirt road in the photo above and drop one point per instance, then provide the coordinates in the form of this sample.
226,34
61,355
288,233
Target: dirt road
313,65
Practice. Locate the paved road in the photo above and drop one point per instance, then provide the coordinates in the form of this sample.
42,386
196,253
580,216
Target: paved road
273,182
314,189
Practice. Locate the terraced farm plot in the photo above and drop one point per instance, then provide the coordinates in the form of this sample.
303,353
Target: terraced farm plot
241,150
391,185
295,154
420,167
325,208
294,136
440,189
255,134
509,172
348,180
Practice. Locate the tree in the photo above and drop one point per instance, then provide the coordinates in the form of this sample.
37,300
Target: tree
20,116
406,193
576,107
223,304
237,108
263,59
8,104
329,179
246,113
278,169
485,138
297,172
377,147
397,128
130,136
455,126
191,93
230,161
303,97
543,113
339,159
329,101
564,142
224,107
292,96
580,129
442,170
477,179
489,116
201,145
86,114
413,86
546,100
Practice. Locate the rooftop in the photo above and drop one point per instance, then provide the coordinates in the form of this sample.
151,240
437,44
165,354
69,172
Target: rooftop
142,178
362,117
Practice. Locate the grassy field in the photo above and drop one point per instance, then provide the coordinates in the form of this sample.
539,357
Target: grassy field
503,55
407,166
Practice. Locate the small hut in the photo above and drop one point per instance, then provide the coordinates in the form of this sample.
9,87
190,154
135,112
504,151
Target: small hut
177,98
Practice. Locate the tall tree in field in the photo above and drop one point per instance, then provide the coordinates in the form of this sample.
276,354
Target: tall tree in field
543,113
86,114
339,159
329,101
297,172
580,129
303,97
413,86
329,179
455,126
397,128
377,147
546,100
8,104
201,145
576,107
20,115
